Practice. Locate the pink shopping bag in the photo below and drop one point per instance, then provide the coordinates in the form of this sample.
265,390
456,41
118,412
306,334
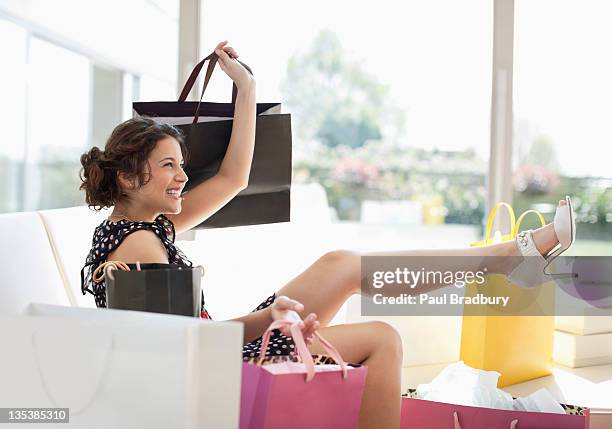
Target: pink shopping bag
301,394
422,414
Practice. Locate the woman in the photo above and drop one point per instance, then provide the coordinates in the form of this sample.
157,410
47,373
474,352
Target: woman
140,173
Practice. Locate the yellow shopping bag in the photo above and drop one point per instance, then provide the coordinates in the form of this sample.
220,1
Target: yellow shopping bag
519,347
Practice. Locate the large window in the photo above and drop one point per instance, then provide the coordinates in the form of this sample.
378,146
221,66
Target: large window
390,101
59,99
390,105
58,124
562,110
12,112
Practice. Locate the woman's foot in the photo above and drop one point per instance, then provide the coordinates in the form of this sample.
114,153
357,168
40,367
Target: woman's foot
538,248
545,238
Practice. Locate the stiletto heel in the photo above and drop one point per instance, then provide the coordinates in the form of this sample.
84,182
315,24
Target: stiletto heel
553,255
566,238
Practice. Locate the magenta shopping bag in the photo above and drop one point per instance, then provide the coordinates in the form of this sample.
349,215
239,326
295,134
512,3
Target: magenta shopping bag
422,414
300,394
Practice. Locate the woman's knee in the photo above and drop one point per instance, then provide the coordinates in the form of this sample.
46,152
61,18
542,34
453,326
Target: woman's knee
388,339
340,256
345,263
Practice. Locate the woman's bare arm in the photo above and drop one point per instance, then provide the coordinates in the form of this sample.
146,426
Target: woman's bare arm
255,324
207,198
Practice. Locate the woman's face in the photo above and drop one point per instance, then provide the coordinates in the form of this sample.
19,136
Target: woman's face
167,179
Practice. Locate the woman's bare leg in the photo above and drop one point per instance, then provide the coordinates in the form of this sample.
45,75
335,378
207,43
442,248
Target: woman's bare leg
378,346
333,278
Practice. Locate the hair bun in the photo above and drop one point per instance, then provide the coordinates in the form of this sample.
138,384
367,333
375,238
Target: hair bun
93,156
92,173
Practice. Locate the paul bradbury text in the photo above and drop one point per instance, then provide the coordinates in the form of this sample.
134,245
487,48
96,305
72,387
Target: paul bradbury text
447,299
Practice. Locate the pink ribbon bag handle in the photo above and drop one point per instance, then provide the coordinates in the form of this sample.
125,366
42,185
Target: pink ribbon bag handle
300,344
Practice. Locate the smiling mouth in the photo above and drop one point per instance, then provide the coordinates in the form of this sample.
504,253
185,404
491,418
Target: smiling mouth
174,194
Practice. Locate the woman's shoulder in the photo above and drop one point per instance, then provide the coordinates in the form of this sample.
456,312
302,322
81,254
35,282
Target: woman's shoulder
109,234
125,240
142,244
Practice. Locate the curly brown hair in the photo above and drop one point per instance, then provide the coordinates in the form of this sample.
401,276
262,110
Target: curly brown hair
127,151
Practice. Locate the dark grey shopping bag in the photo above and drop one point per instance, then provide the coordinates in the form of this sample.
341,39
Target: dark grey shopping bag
208,127
157,288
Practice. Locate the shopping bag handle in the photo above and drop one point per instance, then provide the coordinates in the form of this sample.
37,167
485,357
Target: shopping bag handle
303,352
98,385
105,270
195,73
513,423
517,226
212,62
492,218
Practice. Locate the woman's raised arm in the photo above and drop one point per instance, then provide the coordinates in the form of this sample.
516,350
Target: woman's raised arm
207,198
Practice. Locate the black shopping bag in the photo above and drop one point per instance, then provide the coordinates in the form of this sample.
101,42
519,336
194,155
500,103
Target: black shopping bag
208,127
157,288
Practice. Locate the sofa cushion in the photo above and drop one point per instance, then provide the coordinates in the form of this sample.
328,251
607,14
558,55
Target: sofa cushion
70,233
29,270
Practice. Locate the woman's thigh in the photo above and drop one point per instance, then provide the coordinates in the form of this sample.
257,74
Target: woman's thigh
326,284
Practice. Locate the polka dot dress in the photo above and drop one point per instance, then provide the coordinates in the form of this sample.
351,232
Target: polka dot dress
109,235
280,345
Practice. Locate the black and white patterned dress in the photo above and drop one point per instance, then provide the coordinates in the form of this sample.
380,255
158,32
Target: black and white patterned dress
109,235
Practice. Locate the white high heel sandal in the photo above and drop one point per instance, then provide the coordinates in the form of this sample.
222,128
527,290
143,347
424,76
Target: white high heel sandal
532,270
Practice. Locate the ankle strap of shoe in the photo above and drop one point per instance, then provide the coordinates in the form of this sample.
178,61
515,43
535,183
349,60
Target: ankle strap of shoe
526,244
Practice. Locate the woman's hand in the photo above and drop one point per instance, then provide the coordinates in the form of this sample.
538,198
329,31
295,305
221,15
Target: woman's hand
284,308
241,77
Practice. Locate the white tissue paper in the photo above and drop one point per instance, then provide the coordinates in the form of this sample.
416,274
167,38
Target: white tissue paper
541,401
463,385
